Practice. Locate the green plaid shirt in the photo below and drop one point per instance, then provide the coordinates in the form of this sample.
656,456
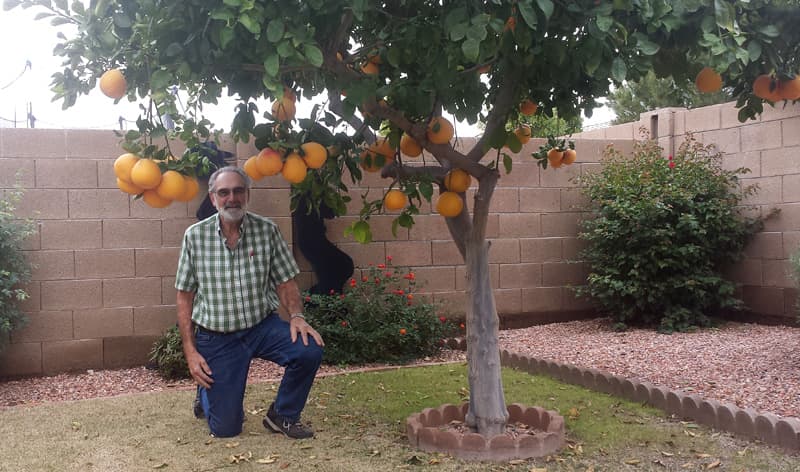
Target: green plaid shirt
234,288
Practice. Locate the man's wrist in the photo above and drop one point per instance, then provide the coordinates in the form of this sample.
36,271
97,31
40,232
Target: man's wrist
297,315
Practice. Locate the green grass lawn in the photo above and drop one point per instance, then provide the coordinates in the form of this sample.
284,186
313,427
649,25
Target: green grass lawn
360,424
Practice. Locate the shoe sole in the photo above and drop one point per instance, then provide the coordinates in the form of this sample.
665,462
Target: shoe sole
275,429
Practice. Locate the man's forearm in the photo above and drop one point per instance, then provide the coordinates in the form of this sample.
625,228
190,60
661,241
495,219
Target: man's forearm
184,304
289,296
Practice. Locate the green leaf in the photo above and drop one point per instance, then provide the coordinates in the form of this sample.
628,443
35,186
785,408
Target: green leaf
10,4
275,30
426,190
272,65
285,49
604,23
361,232
458,32
513,143
546,6
754,50
770,31
725,14
252,25
507,162
471,49
646,46
618,69
313,54
528,14
498,137
173,50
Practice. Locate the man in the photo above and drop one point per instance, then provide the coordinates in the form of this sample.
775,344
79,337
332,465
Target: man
234,270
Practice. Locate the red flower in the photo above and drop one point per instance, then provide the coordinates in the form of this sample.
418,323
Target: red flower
381,266
377,280
462,326
352,282
341,297
671,164
410,296
670,157
344,323
364,279
388,258
331,292
402,331
308,298
444,320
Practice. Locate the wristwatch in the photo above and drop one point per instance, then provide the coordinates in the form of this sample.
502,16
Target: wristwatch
297,315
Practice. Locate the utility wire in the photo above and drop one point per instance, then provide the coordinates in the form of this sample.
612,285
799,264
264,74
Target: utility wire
24,69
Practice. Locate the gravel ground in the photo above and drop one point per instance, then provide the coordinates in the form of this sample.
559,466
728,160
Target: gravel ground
746,364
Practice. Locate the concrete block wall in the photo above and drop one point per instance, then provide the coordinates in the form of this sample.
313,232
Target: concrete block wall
770,147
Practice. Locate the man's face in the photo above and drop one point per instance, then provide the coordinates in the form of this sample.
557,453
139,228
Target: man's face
230,197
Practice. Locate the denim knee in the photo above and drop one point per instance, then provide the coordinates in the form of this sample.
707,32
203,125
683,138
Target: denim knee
225,429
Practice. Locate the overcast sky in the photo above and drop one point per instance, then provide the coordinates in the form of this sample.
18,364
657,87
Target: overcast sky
23,39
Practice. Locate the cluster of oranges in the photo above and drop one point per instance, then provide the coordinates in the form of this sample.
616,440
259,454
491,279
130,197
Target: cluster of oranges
138,176
294,168
557,157
766,86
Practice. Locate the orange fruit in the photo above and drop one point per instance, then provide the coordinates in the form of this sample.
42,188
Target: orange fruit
375,59
555,157
569,156
523,133
449,204
370,68
172,185
123,165
708,80
528,107
790,89
146,174
371,159
294,169
457,180
128,187
395,200
314,154
268,162
440,131
251,168
403,331
284,109
485,69
766,87
113,84
154,200
190,190
409,146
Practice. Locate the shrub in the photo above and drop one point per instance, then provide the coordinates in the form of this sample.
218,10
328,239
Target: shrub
794,260
661,231
167,355
14,268
378,318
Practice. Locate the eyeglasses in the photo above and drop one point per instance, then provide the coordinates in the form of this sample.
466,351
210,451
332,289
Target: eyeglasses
226,192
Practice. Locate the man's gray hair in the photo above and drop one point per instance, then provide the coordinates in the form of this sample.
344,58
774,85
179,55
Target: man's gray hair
212,181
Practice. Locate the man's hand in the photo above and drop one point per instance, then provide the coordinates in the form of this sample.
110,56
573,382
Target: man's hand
298,326
200,371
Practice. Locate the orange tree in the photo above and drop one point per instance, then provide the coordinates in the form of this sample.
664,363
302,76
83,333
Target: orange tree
390,68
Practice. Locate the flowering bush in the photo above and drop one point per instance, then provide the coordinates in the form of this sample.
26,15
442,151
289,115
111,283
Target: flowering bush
378,318
661,231
15,270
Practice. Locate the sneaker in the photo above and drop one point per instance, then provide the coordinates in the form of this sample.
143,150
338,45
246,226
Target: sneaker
197,406
279,424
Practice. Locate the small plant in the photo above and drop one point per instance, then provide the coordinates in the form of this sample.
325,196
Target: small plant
378,318
794,260
661,231
14,268
167,355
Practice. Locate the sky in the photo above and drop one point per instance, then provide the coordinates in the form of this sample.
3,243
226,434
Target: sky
23,39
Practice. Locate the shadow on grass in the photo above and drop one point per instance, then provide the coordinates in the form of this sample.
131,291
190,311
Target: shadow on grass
360,424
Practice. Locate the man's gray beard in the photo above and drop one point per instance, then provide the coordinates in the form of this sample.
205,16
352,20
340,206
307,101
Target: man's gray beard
233,215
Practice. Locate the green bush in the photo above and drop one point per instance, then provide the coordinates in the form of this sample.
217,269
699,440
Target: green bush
14,268
794,260
378,318
167,355
660,232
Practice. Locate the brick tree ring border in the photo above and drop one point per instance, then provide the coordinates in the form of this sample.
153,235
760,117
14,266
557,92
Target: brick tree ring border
428,431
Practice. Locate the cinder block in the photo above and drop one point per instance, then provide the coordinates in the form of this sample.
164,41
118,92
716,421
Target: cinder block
561,224
729,115
702,119
520,275
523,174
410,253
508,301
93,144
623,131
51,265
520,225
791,188
571,248
436,279
723,140
760,136
504,200
16,172
43,204
778,273
20,359
788,218
65,356
556,274
131,233
573,199
780,111
33,143
157,261
169,294
779,162
764,300
429,228
446,253
45,326
72,173
71,294
563,177
99,203
541,299
126,351
453,302
504,251
749,160
103,322
766,245
153,320
589,150
172,230
541,249
104,263
461,276
790,128
748,271
140,209
34,300
381,226
365,254
270,202
82,234
125,292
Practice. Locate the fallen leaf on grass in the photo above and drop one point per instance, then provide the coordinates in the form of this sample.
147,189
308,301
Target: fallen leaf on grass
231,445
713,465
161,465
633,461
667,454
658,462
538,469
433,461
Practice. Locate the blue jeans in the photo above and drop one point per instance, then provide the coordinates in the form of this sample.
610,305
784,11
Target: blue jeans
229,354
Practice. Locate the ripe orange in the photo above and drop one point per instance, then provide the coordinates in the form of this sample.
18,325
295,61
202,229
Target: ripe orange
172,185
409,146
395,200
153,199
523,133
790,89
268,162
146,174
440,131
375,59
708,80
457,180
370,68
294,169
251,168
284,109
555,157
123,165
314,154
113,84
766,87
403,331
528,107
569,156
128,187
449,204
191,189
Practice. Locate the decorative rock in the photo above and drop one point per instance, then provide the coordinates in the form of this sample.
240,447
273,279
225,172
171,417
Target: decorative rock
589,380
628,389
450,412
643,392
787,433
707,413
658,398
602,382
765,427
690,406
726,417
746,423
674,404
515,411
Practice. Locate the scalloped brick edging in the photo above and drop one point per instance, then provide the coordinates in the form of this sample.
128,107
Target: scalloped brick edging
424,432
